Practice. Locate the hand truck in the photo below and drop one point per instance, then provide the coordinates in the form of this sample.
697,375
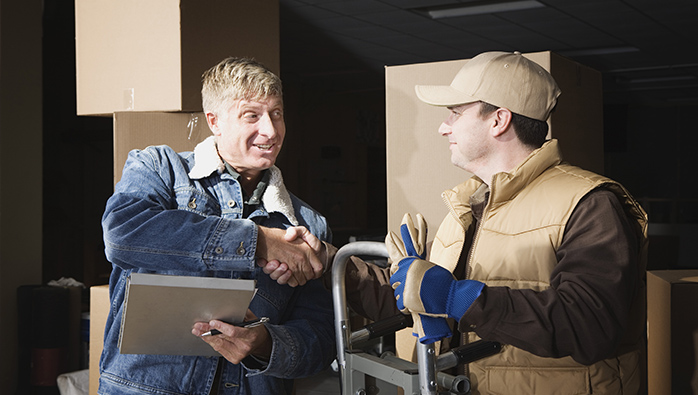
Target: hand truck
362,373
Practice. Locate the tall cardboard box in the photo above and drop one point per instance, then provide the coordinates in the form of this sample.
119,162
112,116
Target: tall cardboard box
137,130
134,55
672,332
419,164
99,311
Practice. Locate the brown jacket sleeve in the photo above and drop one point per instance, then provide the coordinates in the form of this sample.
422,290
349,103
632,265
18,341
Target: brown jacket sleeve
585,312
368,288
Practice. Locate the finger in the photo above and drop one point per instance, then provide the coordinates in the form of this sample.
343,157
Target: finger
291,281
311,240
285,278
313,268
299,278
261,262
318,267
293,233
278,272
395,250
271,266
422,229
408,237
200,328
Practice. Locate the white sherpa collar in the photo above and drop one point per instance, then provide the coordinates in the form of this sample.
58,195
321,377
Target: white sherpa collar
275,198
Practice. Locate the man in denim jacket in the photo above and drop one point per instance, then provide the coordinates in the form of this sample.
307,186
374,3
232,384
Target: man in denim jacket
212,213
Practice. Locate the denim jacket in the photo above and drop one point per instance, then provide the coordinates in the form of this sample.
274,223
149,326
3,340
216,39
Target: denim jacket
182,214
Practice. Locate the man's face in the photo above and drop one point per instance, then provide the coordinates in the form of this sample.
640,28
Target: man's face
467,135
250,134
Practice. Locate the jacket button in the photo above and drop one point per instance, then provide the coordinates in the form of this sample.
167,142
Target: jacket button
219,250
192,203
241,249
231,203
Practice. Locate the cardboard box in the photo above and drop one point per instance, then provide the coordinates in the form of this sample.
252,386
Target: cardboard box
415,184
99,311
672,332
136,55
137,130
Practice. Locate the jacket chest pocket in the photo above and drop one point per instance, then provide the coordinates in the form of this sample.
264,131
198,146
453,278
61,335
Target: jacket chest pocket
196,201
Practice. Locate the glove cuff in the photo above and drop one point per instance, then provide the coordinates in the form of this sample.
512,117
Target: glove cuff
461,295
433,328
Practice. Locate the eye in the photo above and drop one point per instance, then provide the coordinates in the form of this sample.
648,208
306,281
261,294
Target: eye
277,114
251,116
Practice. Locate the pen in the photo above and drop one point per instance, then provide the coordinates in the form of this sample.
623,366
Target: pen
245,324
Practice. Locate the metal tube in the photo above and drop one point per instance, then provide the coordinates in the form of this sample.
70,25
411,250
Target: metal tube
339,297
426,361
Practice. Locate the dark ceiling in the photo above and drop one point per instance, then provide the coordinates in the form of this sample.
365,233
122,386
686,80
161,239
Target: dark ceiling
647,50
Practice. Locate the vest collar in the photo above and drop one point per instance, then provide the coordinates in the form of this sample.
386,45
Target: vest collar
505,185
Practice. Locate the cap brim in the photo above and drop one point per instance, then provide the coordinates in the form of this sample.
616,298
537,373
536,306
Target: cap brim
442,95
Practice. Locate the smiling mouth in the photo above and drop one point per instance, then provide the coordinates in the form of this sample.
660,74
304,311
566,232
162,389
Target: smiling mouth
264,147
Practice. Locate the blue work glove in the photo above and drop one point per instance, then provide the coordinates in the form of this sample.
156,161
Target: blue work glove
428,289
413,244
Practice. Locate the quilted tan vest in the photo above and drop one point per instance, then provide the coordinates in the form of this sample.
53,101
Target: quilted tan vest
515,247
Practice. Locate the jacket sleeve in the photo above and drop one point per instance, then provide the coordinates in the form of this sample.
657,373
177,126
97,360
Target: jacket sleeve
304,341
146,225
584,313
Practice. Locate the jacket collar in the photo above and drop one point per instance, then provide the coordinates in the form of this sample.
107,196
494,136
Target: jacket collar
276,197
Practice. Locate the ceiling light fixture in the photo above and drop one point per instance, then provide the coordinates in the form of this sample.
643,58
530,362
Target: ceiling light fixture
479,8
598,51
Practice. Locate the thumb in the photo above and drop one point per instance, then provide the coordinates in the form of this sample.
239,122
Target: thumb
293,233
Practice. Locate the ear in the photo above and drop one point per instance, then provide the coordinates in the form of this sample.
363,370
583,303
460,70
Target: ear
212,121
501,119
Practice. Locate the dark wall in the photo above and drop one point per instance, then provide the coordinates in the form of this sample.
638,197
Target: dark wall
334,156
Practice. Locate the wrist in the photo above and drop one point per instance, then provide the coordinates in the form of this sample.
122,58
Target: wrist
462,294
261,242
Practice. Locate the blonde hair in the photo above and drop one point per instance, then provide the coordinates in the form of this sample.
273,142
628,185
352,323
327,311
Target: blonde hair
237,78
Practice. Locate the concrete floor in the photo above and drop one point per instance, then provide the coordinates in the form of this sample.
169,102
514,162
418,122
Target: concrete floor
325,383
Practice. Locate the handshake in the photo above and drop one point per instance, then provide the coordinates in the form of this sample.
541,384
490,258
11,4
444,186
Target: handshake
426,290
293,256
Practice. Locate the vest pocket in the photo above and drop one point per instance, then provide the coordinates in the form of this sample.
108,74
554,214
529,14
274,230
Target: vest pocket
538,381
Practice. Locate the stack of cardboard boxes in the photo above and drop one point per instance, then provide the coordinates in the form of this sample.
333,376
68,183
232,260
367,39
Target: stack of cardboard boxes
141,63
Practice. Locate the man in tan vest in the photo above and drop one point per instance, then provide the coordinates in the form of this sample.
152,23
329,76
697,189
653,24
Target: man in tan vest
544,257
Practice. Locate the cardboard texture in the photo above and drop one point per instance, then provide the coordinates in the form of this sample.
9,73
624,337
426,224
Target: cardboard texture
99,310
149,55
672,332
419,164
137,130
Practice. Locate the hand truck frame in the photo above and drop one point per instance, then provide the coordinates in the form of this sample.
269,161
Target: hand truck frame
362,373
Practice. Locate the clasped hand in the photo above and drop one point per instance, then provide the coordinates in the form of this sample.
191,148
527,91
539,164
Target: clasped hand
425,288
236,343
293,256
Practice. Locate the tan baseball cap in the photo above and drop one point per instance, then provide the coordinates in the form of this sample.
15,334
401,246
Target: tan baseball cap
503,79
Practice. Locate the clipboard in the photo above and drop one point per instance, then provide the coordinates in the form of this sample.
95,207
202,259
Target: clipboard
160,311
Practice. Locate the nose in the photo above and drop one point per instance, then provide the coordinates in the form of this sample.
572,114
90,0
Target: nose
267,127
444,128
